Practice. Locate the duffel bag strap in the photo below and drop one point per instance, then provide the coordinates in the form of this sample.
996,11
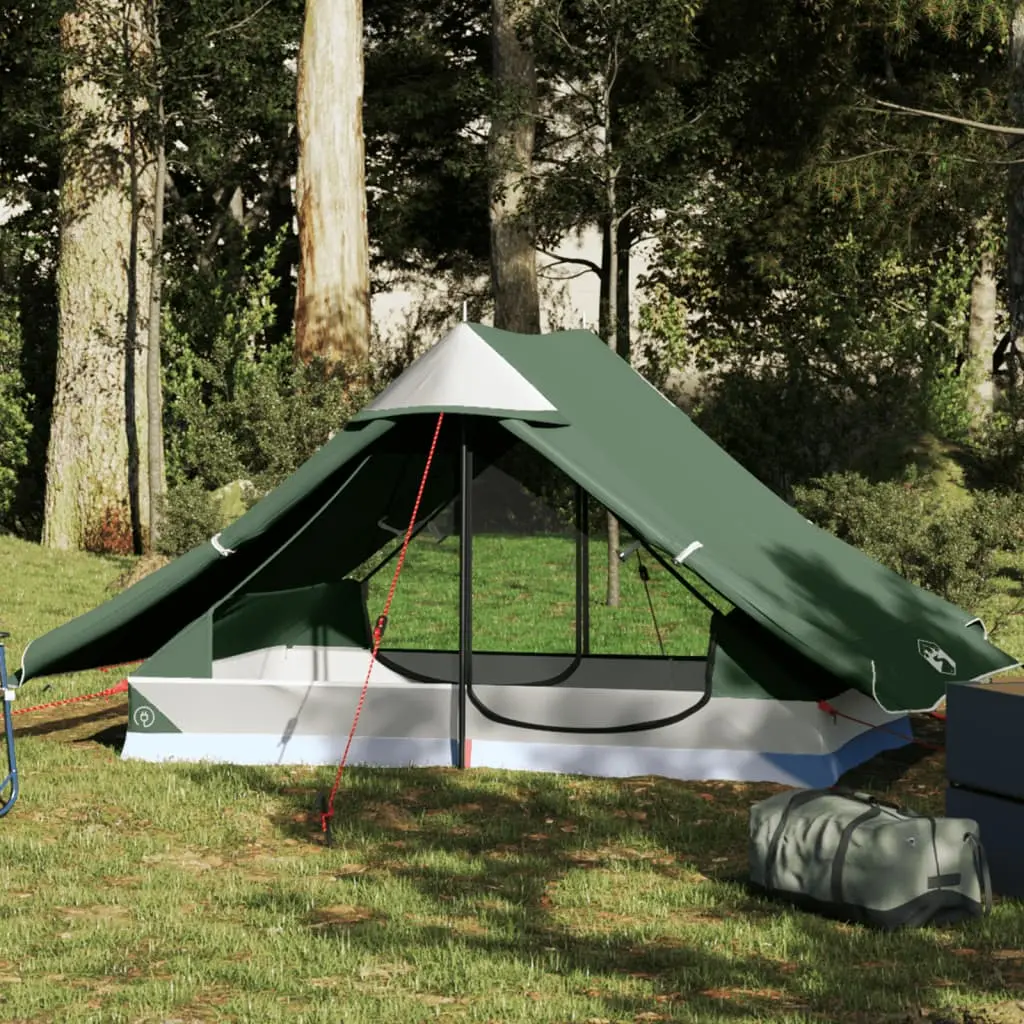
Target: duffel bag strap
843,848
981,864
867,798
797,800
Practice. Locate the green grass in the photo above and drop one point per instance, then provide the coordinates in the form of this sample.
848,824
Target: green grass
148,894
524,599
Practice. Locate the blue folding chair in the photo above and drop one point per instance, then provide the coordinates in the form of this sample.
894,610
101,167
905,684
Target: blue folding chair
9,786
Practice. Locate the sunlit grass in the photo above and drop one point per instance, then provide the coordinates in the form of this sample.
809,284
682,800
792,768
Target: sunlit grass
524,599
147,894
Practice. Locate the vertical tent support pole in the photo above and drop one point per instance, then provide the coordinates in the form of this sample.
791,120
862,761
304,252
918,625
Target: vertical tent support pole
465,586
582,572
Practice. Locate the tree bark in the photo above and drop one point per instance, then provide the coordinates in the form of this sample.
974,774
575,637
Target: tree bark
610,288
99,403
154,384
981,337
1015,200
332,306
624,244
513,244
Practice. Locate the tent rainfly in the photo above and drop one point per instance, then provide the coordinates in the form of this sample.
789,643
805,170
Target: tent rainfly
256,644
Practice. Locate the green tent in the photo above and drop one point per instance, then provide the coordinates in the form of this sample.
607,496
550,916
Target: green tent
569,398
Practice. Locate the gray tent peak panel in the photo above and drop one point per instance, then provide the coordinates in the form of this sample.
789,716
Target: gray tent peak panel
462,373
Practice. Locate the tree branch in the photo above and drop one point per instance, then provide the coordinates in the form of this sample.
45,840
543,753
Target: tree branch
577,261
965,122
866,156
562,277
240,24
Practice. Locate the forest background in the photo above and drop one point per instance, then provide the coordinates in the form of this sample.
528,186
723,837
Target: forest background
199,200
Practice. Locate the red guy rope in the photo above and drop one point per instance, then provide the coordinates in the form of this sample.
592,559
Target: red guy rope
830,710
121,687
378,630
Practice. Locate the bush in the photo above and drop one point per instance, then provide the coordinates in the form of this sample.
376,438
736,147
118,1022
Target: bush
948,548
999,446
110,533
191,516
237,405
14,424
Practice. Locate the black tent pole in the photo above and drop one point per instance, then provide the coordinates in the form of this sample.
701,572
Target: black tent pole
582,572
465,585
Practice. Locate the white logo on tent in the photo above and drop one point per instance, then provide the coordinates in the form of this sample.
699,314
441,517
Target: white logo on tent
936,657
144,716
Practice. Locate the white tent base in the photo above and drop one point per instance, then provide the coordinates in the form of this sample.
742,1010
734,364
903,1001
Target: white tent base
803,770
295,706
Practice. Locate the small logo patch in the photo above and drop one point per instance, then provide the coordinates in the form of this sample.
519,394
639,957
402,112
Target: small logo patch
144,716
936,657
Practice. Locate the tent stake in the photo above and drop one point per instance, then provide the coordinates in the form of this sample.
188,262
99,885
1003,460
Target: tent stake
465,587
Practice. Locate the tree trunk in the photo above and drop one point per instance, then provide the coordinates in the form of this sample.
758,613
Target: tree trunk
623,243
610,307
1015,200
90,495
154,384
332,305
981,336
138,480
513,251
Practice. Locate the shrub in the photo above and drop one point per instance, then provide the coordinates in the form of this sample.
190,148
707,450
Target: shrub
999,446
110,533
191,517
14,424
238,406
946,547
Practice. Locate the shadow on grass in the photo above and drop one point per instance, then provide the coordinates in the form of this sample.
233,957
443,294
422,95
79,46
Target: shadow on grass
910,772
71,723
112,738
498,858
498,862
1010,572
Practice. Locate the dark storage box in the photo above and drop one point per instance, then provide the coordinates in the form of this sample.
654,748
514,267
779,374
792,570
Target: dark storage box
1001,829
985,736
985,769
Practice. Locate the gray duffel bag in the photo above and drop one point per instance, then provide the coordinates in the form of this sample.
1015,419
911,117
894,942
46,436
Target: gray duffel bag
847,855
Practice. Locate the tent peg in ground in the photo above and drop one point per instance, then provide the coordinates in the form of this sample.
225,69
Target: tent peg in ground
325,819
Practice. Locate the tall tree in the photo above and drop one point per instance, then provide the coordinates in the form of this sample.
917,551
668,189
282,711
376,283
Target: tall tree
981,330
154,387
97,483
332,306
614,140
513,243
1015,203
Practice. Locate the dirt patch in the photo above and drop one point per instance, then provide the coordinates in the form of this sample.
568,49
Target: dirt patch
460,925
186,859
435,999
98,913
391,816
344,915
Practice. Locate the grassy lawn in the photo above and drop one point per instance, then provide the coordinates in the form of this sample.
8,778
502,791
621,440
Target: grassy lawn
524,599
153,894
